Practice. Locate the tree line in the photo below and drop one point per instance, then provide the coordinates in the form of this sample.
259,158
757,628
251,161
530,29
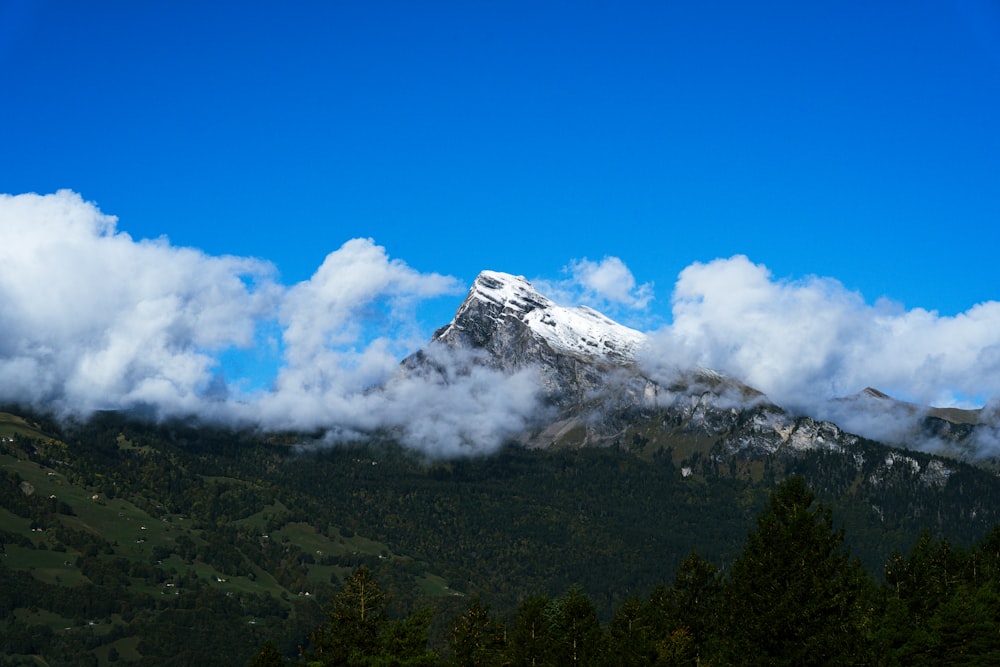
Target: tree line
793,596
550,532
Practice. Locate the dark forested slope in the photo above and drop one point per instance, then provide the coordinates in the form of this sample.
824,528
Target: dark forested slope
128,541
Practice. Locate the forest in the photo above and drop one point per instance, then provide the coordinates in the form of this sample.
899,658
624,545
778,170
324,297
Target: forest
125,541
793,596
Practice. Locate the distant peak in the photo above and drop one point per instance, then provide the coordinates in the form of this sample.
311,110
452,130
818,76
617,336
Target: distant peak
497,298
872,392
505,289
498,278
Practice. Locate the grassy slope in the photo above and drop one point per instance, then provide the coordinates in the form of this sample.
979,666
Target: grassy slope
134,533
473,513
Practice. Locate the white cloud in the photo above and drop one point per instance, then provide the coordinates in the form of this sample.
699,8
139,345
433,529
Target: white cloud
809,340
346,327
608,286
94,319
455,406
610,280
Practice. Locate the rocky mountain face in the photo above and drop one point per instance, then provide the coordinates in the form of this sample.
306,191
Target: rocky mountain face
971,435
597,393
592,381
578,351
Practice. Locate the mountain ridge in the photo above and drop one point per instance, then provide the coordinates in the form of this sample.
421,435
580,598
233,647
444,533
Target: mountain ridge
592,376
953,415
580,331
623,475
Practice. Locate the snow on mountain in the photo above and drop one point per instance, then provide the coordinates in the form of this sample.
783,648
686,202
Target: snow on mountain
580,332
592,390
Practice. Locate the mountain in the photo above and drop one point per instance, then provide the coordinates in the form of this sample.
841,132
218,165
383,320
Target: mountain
128,540
971,435
599,394
506,315
591,375
588,364
951,415
578,352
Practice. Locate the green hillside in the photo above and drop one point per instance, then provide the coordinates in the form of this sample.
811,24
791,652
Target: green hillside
125,541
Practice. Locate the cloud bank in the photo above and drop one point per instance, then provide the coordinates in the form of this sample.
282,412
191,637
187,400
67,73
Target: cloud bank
94,319
809,340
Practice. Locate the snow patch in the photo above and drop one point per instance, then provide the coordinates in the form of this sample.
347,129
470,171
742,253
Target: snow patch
579,331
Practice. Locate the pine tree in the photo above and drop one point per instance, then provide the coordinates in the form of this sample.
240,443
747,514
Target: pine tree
354,624
268,656
795,596
577,638
476,639
942,605
683,616
403,643
630,635
530,637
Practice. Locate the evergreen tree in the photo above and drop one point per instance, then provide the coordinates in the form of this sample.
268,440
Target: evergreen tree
530,636
577,638
964,629
927,577
476,639
354,624
404,643
630,642
795,596
268,656
942,605
688,610
681,618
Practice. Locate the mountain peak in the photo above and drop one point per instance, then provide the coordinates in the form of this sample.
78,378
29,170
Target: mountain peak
872,392
498,300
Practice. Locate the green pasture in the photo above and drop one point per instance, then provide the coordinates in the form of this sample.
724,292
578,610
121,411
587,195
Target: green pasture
126,445
35,616
434,585
128,651
15,524
260,520
131,530
13,425
46,565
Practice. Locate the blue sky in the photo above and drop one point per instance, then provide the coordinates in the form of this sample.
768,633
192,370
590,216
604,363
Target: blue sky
856,141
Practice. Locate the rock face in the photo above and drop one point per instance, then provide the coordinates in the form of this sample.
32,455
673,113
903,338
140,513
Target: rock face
972,435
597,394
500,304
579,352
595,388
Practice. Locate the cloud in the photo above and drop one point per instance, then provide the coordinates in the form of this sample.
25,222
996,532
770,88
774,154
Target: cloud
610,280
805,341
607,286
93,319
348,325
96,320
454,405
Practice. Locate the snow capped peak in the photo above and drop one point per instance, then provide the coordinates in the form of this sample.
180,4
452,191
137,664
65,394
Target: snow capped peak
580,331
507,291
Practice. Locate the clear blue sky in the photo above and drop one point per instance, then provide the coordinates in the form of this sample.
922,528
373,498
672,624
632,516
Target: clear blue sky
859,140
853,140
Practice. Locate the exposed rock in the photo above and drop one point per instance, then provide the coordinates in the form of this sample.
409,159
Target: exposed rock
596,391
